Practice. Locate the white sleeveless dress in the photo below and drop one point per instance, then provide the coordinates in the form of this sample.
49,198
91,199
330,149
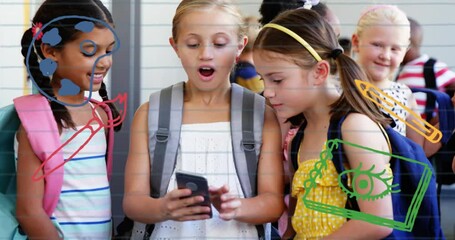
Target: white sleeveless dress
206,149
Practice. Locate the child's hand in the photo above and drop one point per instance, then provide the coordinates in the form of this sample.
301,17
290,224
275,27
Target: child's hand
177,205
227,205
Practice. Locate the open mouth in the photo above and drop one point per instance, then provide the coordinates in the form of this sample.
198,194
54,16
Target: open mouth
206,71
97,77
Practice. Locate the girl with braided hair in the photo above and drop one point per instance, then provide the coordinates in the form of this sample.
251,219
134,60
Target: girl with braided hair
67,52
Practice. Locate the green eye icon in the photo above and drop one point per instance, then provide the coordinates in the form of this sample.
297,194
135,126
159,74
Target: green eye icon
364,180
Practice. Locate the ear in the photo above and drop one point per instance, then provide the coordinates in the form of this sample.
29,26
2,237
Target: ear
355,43
174,46
321,72
49,51
241,45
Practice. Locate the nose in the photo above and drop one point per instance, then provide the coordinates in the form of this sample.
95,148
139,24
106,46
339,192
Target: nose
385,54
104,62
206,52
269,92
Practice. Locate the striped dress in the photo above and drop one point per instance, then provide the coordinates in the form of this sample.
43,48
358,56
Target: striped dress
84,208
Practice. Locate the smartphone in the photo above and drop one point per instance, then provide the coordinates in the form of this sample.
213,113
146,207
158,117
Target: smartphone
198,185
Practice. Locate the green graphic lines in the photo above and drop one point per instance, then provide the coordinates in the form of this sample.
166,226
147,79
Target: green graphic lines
326,155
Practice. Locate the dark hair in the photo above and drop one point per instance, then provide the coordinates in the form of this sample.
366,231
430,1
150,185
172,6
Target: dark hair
320,35
47,12
345,43
271,8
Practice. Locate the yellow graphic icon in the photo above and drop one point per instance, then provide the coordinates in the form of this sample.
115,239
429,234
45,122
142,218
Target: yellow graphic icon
387,102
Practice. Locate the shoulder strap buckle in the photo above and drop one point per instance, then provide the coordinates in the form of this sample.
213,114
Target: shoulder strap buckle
248,145
162,135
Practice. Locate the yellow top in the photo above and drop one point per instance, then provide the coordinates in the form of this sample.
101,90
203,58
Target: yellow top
311,224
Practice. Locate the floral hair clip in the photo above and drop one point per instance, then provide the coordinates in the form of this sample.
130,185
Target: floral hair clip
308,4
37,28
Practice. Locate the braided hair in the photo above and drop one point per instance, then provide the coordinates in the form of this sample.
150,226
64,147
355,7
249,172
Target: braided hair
47,12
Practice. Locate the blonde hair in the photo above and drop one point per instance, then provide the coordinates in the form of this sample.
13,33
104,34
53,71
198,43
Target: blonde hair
382,15
252,29
187,6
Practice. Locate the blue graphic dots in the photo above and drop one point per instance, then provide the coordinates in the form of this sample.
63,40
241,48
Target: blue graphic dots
47,67
85,26
68,88
52,37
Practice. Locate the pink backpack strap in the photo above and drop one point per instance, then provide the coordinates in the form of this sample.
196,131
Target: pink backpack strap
110,135
38,121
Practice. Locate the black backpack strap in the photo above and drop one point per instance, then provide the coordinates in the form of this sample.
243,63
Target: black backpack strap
338,156
295,145
430,82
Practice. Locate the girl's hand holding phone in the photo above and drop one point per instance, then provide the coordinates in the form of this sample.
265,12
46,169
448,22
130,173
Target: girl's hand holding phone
179,205
227,205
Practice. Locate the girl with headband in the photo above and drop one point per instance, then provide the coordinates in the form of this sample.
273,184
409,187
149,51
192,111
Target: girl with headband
296,54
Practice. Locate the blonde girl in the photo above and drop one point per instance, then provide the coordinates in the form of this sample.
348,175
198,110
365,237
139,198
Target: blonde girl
207,37
380,42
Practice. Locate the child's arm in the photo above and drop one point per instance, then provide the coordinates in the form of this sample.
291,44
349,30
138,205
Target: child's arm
290,232
453,164
268,205
29,202
361,130
137,202
431,148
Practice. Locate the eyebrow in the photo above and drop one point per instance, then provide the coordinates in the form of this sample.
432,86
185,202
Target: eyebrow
89,44
272,73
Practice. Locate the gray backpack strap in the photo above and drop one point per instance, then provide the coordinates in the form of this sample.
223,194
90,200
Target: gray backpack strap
164,123
247,140
246,135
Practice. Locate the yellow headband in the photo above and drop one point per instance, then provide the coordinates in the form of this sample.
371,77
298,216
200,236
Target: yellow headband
296,37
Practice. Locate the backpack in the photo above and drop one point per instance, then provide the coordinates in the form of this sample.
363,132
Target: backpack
415,206
165,120
443,158
35,115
